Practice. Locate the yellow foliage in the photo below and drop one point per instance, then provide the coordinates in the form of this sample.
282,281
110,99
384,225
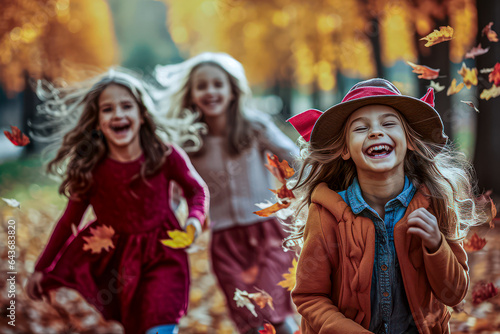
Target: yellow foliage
180,239
290,277
492,92
463,17
469,76
45,39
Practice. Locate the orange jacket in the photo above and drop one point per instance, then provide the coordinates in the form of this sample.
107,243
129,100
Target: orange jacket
334,273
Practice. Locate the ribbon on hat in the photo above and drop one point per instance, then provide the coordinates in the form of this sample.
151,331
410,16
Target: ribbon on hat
429,97
304,122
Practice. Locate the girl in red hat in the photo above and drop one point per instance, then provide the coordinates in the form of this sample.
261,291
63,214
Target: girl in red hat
389,204
246,250
115,162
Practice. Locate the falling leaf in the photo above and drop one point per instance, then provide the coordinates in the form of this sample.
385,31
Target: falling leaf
17,137
272,209
486,70
283,192
483,291
469,76
424,71
437,87
268,329
475,243
491,209
495,75
492,92
100,239
261,298
453,89
492,36
470,104
289,278
283,213
476,51
437,36
281,170
12,202
242,300
180,239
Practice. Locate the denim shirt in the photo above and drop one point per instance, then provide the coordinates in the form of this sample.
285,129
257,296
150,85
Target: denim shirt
390,312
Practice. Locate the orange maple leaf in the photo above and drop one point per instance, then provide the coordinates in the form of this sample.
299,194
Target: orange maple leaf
470,104
283,192
268,329
100,239
281,170
492,92
290,277
492,36
17,137
272,209
469,76
437,36
474,243
495,75
424,71
476,51
453,89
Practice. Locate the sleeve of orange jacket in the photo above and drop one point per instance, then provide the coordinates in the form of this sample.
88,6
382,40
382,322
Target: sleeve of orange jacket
312,290
448,272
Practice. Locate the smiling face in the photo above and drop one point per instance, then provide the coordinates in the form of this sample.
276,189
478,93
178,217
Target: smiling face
376,140
119,118
211,91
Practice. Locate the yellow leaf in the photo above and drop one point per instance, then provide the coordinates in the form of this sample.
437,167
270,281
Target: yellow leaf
437,36
469,76
453,89
487,94
290,277
180,239
100,239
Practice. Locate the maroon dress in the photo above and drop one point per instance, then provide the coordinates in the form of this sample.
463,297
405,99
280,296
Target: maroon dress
139,282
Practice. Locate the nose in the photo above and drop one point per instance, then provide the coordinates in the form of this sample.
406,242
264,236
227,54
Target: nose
375,133
118,112
211,89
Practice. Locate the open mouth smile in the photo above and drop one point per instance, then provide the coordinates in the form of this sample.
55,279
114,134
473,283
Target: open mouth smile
379,151
120,129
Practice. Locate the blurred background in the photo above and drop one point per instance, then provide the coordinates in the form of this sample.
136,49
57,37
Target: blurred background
297,55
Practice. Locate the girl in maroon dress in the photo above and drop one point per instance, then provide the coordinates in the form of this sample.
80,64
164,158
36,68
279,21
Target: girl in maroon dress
117,164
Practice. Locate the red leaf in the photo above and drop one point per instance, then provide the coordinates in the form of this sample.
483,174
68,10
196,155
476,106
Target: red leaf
475,243
476,51
483,291
424,71
283,192
495,75
281,170
492,36
268,329
17,137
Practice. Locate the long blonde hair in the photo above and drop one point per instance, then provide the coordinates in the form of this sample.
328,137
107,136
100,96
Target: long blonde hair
446,173
244,123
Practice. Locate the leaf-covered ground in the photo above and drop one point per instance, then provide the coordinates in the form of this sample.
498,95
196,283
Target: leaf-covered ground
69,313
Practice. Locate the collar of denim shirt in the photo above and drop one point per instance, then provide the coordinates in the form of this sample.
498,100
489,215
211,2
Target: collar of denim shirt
358,204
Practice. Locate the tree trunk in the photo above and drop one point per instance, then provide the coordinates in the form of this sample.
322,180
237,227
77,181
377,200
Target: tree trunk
487,149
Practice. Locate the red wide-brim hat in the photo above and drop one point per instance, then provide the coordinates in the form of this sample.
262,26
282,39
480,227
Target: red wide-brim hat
320,127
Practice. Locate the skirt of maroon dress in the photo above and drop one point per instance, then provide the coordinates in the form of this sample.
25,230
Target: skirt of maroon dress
140,282
250,258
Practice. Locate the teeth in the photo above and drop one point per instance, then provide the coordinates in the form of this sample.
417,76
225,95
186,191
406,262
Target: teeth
378,148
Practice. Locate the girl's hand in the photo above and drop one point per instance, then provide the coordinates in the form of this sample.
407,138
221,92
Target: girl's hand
33,287
196,224
423,224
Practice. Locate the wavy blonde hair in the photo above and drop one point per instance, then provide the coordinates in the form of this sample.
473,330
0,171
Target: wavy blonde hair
244,123
447,174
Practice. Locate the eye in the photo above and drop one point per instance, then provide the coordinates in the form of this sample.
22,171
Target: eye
127,106
201,86
218,84
389,124
106,109
360,129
